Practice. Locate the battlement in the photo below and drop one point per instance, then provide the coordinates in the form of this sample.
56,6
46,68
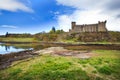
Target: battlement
98,27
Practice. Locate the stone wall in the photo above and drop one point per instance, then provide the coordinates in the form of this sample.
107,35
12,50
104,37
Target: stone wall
99,27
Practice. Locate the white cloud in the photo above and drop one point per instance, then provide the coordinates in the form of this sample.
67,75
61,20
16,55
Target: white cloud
81,17
64,22
57,12
88,12
9,26
80,4
14,5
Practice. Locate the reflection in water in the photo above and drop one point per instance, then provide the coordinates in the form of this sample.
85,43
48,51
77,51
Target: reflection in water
7,48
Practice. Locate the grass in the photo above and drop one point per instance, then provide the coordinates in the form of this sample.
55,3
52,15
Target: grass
9,39
105,70
104,65
101,42
12,39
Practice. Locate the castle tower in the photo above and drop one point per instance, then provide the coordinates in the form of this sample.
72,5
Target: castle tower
73,25
102,26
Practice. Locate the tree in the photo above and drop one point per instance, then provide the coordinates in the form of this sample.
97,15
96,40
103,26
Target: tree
59,31
6,35
53,29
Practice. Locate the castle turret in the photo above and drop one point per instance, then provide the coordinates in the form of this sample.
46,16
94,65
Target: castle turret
73,25
102,26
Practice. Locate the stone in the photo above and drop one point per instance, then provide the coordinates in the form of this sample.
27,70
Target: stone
98,27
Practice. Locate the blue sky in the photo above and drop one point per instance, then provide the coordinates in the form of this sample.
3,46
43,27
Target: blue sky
41,17
33,16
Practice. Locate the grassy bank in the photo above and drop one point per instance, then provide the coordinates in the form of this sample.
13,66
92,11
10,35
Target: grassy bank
104,65
97,42
9,39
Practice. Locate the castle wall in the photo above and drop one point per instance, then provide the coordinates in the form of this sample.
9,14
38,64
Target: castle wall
100,27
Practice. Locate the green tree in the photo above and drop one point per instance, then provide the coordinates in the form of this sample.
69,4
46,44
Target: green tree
6,35
59,31
53,29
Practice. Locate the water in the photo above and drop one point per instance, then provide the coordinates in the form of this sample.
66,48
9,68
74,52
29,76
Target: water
8,48
5,49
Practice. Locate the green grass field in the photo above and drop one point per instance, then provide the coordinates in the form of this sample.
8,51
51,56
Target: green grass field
12,39
75,42
104,65
17,39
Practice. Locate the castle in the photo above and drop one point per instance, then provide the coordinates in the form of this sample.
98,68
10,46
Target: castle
99,27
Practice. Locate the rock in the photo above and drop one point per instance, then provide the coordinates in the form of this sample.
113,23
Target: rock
64,52
50,50
7,59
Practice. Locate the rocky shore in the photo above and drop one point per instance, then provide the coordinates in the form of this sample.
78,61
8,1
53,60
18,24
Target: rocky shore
7,59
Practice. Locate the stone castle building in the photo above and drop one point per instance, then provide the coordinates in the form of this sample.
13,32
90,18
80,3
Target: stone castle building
99,27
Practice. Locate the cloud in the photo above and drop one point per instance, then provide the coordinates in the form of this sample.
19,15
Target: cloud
88,12
9,26
81,17
14,5
81,4
64,22
113,5
57,12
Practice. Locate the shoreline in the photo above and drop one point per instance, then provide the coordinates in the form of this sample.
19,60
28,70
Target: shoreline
74,46
7,59
65,43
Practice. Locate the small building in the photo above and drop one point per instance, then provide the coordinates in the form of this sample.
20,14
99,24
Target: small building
98,27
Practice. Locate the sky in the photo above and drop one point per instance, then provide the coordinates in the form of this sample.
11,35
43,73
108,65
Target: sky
34,16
